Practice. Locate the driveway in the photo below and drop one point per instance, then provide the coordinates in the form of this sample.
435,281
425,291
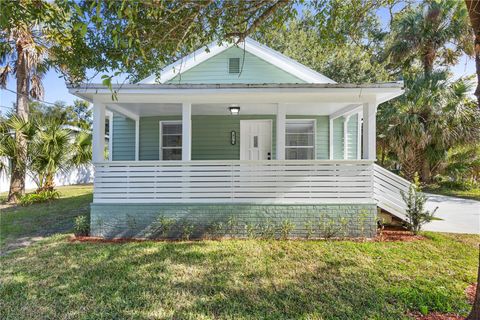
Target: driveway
459,215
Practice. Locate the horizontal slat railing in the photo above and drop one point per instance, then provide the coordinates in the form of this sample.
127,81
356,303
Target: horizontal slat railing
387,191
276,182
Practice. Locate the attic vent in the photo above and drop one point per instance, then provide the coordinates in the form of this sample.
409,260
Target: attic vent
234,65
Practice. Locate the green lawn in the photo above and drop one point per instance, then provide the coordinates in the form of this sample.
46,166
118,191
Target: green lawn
473,193
242,279
25,223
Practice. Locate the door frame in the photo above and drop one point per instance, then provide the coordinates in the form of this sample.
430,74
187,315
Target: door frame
242,150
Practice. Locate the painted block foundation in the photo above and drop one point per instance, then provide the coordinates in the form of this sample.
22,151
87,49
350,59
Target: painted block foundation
232,220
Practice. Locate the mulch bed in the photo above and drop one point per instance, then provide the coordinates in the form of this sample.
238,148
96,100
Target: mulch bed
435,316
470,292
386,235
396,234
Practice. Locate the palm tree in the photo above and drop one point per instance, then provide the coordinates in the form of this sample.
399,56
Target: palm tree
12,128
473,7
22,54
33,36
56,148
425,34
433,116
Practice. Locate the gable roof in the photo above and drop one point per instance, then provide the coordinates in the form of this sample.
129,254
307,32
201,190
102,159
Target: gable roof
263,52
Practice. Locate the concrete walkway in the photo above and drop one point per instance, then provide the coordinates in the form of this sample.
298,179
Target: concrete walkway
459,215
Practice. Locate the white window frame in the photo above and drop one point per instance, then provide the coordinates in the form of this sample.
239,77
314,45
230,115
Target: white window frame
314,137
160,150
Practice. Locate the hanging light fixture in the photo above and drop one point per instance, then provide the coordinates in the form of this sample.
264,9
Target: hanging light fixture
234,109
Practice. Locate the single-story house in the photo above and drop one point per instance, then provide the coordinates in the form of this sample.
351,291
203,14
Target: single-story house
238,135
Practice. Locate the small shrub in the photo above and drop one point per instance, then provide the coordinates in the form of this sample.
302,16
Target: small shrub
327,227
267,231
39,197
416,213
163,225
81,226
362,222
187,230
309,228
286,228
344,222
232,225
250,230
216,229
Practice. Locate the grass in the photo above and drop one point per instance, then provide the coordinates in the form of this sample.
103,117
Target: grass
473,193
236,279
44,219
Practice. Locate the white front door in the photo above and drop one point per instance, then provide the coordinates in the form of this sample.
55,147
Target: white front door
255,139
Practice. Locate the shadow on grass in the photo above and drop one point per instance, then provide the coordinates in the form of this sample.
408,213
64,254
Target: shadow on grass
23,225
211,280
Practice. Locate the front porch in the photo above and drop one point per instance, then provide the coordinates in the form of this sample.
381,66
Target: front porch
303,153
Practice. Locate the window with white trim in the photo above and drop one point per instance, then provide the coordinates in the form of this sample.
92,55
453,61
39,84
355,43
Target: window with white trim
171,140
300,140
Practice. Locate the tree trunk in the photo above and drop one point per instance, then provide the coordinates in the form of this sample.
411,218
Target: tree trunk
475,313
426,174
473,7
17,179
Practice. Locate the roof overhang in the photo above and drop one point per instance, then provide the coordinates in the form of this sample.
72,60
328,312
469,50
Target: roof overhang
248,93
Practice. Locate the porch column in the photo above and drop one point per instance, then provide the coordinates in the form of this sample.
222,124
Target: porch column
186,131
281,127
369,131
345,136
98,132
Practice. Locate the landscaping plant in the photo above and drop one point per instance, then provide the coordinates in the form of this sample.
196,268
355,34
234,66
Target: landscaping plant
163,225
416,213
286,227
81,226
187,230
39,197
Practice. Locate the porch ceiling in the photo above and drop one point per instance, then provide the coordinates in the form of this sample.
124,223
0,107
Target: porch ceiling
163,109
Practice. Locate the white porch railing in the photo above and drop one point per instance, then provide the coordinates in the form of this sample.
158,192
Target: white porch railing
388,187
272,182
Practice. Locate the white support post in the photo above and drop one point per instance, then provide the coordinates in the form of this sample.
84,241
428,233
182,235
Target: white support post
109,115
137,139
359,136
345,137
330,138
186,131
98,132
369,131
281,128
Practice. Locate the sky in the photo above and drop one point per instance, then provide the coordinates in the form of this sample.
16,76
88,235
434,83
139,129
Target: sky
56,90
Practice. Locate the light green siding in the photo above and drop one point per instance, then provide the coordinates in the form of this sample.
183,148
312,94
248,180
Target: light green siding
338,138
352,134
150,136
211,136
255,70
123,144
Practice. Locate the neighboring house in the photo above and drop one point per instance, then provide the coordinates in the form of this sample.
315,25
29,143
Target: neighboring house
239,133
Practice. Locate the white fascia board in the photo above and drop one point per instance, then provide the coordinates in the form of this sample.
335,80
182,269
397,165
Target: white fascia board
187,62
285,63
